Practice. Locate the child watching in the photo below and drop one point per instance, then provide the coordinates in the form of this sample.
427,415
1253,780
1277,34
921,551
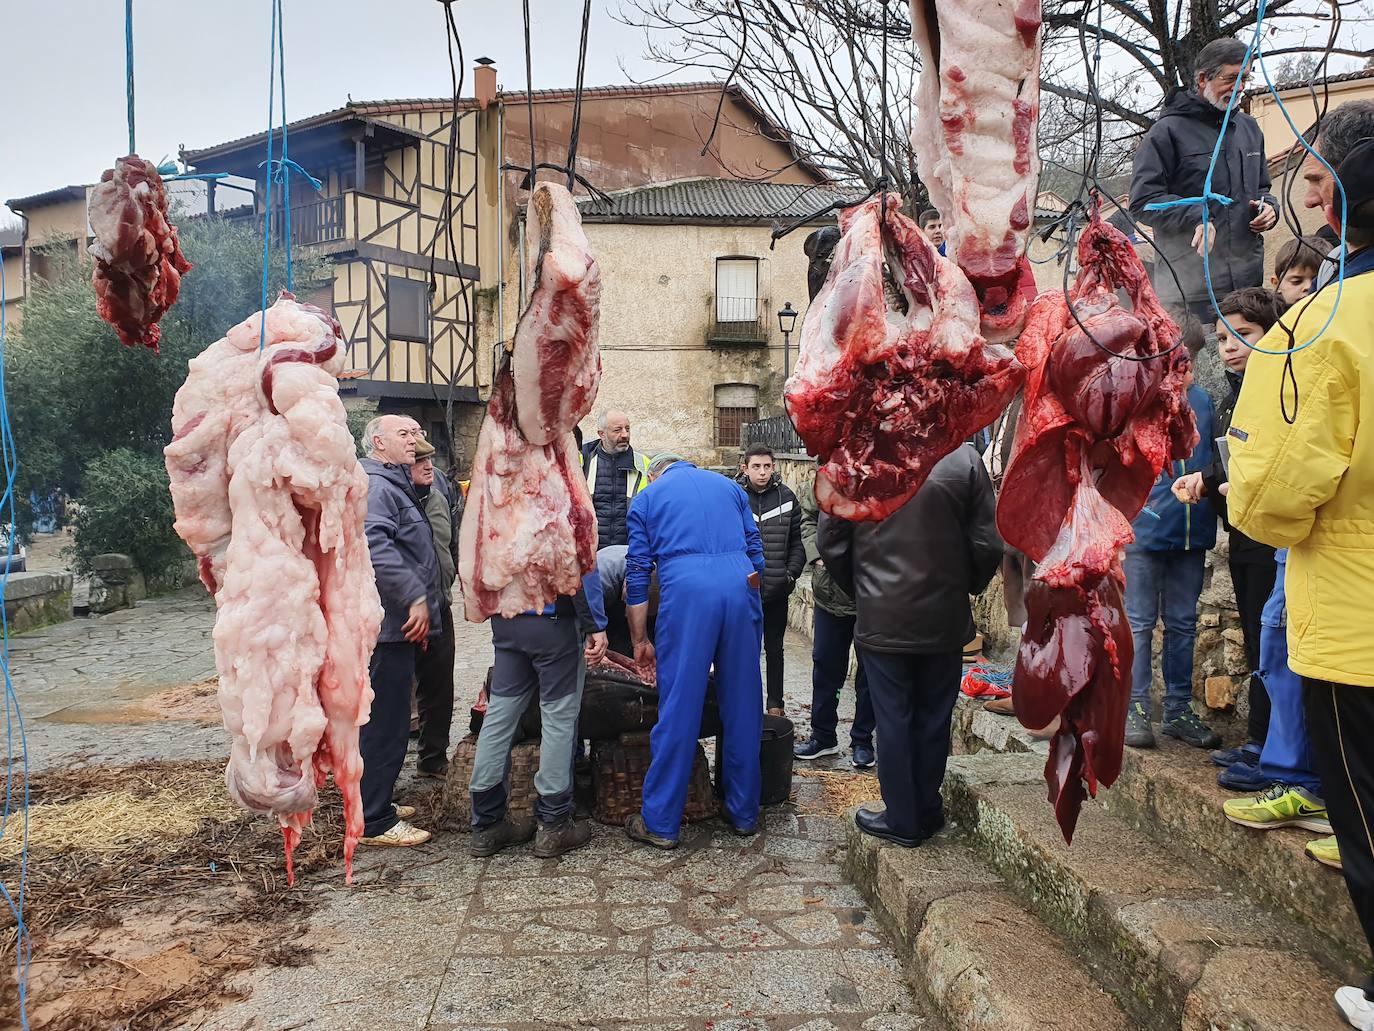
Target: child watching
1295,268
1246,316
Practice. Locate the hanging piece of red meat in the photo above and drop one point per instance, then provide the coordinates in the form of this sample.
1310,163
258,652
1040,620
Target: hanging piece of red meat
893,373
1105,409
138,259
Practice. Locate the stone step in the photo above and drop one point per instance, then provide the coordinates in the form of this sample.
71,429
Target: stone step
981,959
1167,932
1171,794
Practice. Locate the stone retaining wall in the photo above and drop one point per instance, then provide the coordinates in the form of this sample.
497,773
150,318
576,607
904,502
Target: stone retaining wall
37,599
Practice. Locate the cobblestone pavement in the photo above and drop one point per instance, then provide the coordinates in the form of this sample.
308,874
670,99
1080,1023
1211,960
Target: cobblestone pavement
727,934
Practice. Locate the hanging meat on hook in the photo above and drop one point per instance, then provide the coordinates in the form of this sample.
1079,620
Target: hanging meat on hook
556,364
529,530
138,259
978,102
270,497
1105,409
893,373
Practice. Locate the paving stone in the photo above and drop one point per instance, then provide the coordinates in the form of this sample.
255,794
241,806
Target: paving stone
629,943
765,981
675,936
778,897
815,928
747,933
641,892
796,848
780,821
541,988
638,918
894,1022
482,944
576,919
499,921
499,894
538,938
816,1025
713,870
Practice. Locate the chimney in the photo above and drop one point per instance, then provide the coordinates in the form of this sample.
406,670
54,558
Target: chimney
484,82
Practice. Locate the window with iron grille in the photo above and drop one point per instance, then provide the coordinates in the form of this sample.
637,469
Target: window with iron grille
407,309
736,404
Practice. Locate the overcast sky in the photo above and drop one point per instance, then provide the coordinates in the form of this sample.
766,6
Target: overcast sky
201,69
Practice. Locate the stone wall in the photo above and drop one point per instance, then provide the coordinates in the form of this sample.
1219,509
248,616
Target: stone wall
37,599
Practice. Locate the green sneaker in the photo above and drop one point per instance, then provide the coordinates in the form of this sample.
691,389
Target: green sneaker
1189,728
1280,806
1138,731
1325,851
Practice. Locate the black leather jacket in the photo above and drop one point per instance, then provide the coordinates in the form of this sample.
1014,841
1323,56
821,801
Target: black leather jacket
912,574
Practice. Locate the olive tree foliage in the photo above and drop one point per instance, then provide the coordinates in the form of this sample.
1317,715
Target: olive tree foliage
814,66
83,406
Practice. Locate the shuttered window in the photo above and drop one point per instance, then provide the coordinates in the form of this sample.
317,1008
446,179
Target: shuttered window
407,309
736,404
737,290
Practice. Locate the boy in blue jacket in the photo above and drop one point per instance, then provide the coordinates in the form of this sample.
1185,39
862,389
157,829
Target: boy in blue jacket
1164,573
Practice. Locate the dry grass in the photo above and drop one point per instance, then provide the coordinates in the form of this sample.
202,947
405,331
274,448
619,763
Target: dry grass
840,792
147,889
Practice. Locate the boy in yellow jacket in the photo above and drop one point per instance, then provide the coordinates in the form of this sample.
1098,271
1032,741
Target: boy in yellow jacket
1302,477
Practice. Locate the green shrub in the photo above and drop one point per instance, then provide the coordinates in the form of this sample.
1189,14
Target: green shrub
127,508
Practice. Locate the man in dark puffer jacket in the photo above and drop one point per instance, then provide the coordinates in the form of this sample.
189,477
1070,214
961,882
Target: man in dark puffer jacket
784,556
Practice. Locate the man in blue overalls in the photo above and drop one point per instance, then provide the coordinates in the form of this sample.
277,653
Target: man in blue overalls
696,527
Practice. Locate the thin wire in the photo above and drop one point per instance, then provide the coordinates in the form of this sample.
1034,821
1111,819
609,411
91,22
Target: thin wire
577,97
23,943
725,86
129,67
285,158
529,90
267,179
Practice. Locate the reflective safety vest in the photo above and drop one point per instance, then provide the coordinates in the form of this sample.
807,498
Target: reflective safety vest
633,484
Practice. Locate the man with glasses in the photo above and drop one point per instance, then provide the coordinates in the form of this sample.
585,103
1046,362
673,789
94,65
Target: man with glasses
1171,163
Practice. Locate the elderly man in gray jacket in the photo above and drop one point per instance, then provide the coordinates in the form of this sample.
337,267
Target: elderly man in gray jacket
401,544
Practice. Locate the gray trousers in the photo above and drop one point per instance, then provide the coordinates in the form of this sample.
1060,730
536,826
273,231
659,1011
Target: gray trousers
533,653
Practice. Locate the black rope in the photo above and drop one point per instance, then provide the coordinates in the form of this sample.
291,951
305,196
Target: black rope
529,87
725,86
882,145
839,205
528,181
577,97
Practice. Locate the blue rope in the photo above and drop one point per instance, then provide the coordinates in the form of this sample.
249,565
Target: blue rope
1253,51
129,66
278,170
13,716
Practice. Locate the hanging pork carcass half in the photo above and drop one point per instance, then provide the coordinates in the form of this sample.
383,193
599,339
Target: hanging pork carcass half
529,529
270,497
893,373
1105,409
556,364
138,259
978,102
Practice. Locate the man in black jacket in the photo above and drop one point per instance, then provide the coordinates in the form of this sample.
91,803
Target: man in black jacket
615,474
911,576
784,555
1171,163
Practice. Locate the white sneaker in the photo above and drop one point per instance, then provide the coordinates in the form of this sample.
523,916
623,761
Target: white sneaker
1356,1009
401,835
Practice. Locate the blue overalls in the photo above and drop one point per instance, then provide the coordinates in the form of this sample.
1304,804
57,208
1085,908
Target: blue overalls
697,529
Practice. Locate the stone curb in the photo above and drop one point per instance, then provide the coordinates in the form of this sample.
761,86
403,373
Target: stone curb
979,957
1166,936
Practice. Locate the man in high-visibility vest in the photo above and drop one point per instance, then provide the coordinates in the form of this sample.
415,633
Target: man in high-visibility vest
615,475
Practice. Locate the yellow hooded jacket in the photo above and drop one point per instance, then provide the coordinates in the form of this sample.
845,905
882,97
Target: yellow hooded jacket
1309,486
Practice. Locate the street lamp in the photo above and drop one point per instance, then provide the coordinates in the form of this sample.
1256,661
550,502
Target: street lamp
787,321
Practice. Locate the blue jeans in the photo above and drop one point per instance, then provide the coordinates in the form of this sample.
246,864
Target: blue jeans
829,667
1164,583
1287,756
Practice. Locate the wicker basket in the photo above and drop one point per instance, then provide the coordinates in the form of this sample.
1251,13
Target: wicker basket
456,807
618,769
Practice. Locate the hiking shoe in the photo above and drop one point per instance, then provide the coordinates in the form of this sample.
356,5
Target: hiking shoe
401,835
1188,727
432,772
813,749
1245,778
1282,805
1355,1007
1228,757
403,812
1325,851
862,757
634,827
554,840
487,841
1138,732
743,832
